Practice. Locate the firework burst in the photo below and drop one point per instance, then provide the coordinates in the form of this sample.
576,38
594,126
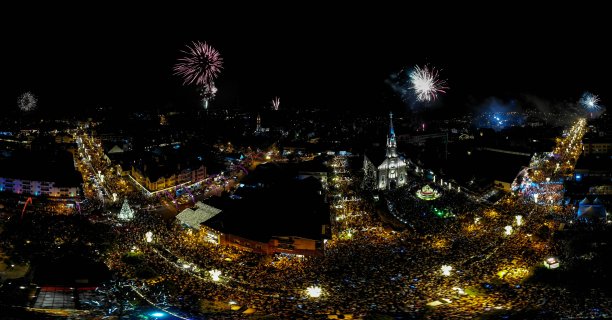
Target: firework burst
27,102
275,103
589,101
426,83
207,92
200,65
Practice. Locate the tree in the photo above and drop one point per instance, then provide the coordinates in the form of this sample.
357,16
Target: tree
126,212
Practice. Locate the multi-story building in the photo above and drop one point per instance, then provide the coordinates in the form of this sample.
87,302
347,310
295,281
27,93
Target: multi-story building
156,173
596,147
38,174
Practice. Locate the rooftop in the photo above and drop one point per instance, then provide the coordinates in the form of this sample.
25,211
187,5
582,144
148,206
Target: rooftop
599,163
52,166
164,162
288,208
197,215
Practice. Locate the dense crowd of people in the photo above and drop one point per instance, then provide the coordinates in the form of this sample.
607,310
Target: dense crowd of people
369,267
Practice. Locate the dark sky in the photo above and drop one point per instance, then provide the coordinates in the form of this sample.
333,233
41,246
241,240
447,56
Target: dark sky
336,59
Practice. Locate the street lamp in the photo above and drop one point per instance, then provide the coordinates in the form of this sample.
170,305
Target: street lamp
215,275
519,220
314,291
446,269
149,236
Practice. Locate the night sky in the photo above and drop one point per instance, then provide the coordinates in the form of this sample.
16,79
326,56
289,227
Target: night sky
333,59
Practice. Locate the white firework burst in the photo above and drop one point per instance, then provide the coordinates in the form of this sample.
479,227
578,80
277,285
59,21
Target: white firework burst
426,83
27,102
589,101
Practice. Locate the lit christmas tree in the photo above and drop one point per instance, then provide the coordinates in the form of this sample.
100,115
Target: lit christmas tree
369,175
126,212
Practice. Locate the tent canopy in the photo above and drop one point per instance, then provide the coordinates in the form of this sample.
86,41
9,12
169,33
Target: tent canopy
197,215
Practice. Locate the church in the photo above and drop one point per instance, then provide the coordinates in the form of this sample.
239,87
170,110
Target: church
392,173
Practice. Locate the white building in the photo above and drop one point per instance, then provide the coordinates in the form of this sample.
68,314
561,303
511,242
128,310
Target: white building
37,188
392,172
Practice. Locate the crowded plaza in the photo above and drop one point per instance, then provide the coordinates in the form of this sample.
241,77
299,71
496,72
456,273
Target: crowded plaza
394,255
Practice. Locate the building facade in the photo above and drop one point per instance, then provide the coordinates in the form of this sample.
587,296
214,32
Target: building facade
41,173
288,245
186,176
38,188
597,147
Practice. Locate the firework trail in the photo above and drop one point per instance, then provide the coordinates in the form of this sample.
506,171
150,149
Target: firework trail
27,102
275,103
590,102
207,92
200,65
426,83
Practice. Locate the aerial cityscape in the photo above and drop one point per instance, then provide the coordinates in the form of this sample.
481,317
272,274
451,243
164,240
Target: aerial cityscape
330,174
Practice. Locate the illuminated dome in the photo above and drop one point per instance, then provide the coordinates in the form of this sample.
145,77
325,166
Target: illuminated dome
427,193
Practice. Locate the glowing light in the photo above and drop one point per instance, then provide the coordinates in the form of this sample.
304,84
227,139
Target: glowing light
519,220
426,84
214,274
508,230
428,193
149,236
158,314
314,291
551,263
459,290
446,270
348,234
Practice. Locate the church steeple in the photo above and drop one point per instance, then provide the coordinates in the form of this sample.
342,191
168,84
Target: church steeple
391,143
258,128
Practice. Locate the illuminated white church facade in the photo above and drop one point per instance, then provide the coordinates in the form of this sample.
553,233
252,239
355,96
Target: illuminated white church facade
392,173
